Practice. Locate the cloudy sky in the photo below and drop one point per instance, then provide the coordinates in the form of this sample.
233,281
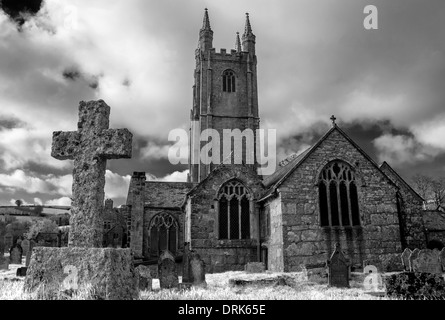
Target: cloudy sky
315,59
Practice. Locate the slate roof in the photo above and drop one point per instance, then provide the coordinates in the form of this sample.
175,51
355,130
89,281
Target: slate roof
401,180
161,194
274,181
282,171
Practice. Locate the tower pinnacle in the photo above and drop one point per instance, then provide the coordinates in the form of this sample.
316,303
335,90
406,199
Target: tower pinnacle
237,43
248,27
206,21
248,38
205,33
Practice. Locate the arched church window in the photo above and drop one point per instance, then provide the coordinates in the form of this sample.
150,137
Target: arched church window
338,195
228,81
234,211
163,230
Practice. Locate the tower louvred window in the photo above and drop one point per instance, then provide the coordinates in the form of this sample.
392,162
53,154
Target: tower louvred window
228,81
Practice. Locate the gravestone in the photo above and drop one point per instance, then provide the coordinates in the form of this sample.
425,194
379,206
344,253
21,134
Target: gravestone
186,263
370,269
428,261
338,266
2,245
255,267
32,244
197,271
25,246
168,276
90,147
21,272
405,259
144,277
412,257
8,241
110,271
4,263
442,259
15,254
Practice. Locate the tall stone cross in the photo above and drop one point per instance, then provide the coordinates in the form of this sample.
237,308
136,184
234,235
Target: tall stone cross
90,147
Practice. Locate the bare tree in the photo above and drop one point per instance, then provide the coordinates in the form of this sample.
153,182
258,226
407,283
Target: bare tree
438,192
423,185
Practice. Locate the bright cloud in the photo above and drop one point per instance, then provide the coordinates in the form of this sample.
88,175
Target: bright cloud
177,176
63,201
116,186
399,149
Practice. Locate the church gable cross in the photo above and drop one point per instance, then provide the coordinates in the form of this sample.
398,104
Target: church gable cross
90,147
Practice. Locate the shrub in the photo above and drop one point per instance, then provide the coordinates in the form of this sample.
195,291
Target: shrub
415,286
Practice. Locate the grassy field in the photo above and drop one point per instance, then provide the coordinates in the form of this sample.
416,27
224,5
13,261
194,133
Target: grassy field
218,288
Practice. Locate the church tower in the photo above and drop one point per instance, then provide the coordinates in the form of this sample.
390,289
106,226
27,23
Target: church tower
224,97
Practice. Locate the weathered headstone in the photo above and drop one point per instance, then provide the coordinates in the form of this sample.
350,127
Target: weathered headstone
8,241
144,277
412,257
405,259
21,272
25,246
32,244
90,147
338,265
370,269
168,276
186,263
4,263
255,267
428,261
15,254
197,271
442,259
109,270
2,245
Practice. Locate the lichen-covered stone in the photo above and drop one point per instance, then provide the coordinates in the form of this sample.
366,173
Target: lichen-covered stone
167,273
90,147
255,267
144,277
109,271
428,261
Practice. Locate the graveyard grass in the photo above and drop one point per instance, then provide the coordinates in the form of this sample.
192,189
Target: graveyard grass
217,289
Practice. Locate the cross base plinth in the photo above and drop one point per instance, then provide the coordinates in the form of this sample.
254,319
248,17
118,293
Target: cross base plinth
100,273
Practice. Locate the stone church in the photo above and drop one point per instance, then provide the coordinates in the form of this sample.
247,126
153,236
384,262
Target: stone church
230,215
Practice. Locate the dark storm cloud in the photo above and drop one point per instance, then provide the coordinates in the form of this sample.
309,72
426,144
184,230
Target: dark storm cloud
20,10
10,122
315,59
71,74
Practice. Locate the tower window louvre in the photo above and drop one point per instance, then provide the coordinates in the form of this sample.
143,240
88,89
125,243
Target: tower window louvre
228,80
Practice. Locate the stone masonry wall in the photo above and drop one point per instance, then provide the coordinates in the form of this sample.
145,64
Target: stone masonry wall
411,213
222,255
275,242
135,202
306,242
